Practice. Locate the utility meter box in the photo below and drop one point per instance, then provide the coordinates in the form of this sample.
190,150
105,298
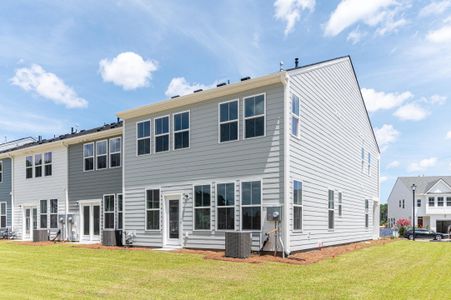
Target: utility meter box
274,213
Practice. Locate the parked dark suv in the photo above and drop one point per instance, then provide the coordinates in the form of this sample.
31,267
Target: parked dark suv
422,233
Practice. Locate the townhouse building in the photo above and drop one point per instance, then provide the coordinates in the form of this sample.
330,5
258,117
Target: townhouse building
297,142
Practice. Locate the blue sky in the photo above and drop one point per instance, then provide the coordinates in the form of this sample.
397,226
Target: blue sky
75,64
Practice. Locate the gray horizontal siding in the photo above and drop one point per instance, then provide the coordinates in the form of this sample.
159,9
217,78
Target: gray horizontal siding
5,188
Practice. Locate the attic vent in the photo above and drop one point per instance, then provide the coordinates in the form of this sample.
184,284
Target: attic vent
221,84
199,90
245,78
176,96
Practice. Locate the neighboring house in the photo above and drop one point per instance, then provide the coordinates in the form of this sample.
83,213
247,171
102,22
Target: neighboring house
299,142
432,201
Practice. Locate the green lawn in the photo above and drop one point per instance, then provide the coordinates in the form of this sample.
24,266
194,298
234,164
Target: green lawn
396,270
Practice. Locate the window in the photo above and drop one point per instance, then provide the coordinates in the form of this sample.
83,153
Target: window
120,209
297,203
162,134
101,154
115,152
29,167
2,214
202,202
225,203
254,116
228,121
43,214
431,201
403,203
340,204
363,159
439,201
152,209
448,201
181,130
367,206
48,164
369,164
108,211
295,114
418,202
331,209
53,213
399,203
1,171
38,165
88,157
143,137
251,194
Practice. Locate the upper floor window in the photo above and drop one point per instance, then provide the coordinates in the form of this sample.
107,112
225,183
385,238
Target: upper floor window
115,152
143,137
228,121
48,164
43,214
431,201
152,209
101,154
108,211
53,213
403,203
2,214
162,134
29,167
88,157
225,203
251,201
202,204
399,203
418,202
254,116
297,203
448,201
38,165
295,115
369,163
181,130
331,209
1,171
440,201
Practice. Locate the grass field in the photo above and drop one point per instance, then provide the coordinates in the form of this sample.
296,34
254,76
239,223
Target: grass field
396,270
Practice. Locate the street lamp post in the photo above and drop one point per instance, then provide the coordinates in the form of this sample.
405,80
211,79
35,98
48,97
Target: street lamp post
414,187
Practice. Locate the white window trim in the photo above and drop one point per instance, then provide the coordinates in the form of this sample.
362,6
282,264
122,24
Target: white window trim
298,117
183,130
5,213
41,165
47,164
229,121
116,152
429,205
340,203
119,211
298,205
50,213
30,167
330,209
155,135
41,214
241,205
1,171
443,201
255,116
446,200
217,207
106,155
199,207
92,156
109,212
369,158
143,138
152,209
367,214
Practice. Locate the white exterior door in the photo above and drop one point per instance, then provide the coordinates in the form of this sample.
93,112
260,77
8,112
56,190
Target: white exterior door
90,221
30,222
172,224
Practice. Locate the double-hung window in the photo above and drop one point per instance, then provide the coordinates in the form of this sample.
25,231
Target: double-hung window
202,207
53,213
297,203
251,205
418,202
2,214
448,201
403,203
143,138
38,165
295,115
120,209
108,211
440,201
228,121
369,164
340,204
367,207
43,214
48,164
225,203
431,201
254,116
115,152
101,155
161,134
152,209
181,130
29,167
88,157
362,156
331,209
1,171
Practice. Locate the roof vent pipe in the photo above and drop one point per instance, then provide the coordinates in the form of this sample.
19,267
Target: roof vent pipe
296,62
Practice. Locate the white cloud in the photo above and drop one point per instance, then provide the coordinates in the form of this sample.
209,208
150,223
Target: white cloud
440,36
349,12
355,36
386,135
448,135
422,165
391,25
375,100
179,86
411,112
47,85
436,100
128,70
382,179
289,11
435,8
393,165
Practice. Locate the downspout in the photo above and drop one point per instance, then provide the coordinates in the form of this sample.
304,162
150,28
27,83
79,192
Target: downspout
286,163
12,192
66,224
123,181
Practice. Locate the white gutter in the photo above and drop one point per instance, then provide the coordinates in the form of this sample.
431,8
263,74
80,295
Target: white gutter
286,165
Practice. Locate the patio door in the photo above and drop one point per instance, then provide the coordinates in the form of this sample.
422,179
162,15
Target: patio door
90,221
172,223
30,222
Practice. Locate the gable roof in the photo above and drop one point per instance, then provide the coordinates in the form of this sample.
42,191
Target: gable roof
16,143
424,183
